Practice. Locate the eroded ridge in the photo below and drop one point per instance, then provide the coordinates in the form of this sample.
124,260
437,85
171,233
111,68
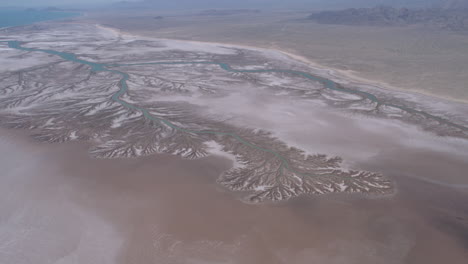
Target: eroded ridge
135,109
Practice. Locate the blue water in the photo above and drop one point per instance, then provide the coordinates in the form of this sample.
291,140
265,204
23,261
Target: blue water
18,17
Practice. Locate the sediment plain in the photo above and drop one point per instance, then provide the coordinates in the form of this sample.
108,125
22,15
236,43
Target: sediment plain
174,151
410,58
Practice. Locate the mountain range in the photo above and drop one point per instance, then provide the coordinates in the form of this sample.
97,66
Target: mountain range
455,19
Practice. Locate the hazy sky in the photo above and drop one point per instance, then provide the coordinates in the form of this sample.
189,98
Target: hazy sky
229,3
53,2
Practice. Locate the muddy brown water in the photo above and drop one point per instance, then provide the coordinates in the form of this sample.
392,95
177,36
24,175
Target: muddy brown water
58,205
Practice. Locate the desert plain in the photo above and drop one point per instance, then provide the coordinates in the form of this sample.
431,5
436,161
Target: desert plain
123,148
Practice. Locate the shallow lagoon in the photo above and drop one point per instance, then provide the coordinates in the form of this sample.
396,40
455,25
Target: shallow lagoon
17,17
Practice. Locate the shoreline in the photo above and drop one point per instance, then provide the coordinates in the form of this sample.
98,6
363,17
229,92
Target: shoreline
348,75
75,15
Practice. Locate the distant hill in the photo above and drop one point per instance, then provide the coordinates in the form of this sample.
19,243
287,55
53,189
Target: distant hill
53,8
226,12
268,4
452,4
282,4
453,19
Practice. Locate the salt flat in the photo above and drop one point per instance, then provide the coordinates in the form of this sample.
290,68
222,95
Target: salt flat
413,58
163,144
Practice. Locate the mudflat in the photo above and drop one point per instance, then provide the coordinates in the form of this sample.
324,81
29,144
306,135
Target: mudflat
61,206
123,149
413,58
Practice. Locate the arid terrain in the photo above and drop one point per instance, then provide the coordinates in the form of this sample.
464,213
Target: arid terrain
414,58
123,148
454,19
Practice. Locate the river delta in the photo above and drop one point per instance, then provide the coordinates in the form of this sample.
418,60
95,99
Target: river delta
163,144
